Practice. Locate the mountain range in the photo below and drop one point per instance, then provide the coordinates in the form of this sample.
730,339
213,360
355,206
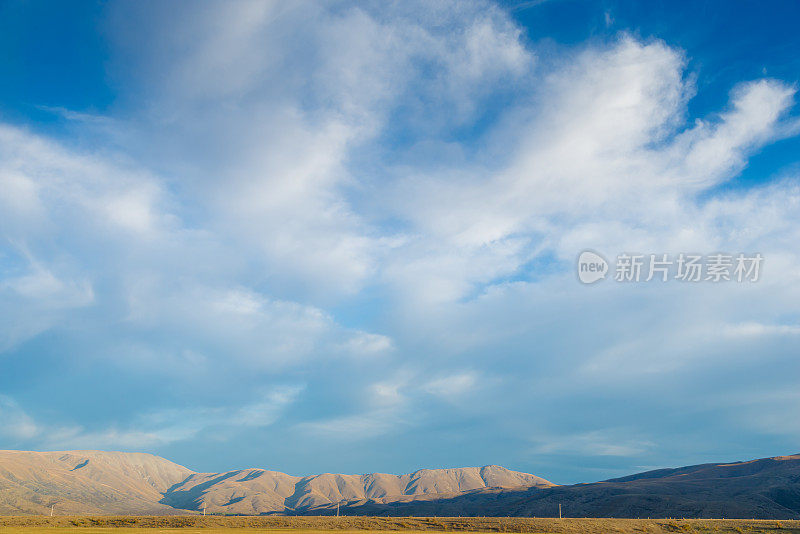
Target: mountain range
97,482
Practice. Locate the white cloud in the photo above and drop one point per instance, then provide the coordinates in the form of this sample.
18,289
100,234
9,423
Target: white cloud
89,190
383,410
39,284
601,163
148,430
249,328
270,165
15,424
36,297
288,173
606,442
267,410
354,427
453,386
83,219
759,329
367,345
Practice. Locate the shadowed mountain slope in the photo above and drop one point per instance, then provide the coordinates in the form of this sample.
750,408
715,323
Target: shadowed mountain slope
763,489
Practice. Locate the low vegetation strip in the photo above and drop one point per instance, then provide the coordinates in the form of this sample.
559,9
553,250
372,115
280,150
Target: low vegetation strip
221,525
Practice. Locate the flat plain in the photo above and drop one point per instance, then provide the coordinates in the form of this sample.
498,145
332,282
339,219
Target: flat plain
360,525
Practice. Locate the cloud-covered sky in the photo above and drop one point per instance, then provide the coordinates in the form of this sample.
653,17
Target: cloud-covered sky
333,236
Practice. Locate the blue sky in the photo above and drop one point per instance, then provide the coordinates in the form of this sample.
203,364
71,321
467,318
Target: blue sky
341,237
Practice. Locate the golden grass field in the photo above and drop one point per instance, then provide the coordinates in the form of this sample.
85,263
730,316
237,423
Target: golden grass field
360,525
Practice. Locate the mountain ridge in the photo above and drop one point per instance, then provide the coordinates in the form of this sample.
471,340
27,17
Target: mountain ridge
100,482
118,483
258,491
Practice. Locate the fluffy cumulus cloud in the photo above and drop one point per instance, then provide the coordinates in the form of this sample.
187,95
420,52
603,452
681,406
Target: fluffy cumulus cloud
358,223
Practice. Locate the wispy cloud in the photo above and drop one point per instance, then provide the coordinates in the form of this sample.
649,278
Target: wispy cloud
606,442
383,203
148,430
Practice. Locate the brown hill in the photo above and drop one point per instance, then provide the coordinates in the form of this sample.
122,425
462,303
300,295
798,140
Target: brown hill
85,482
256,491
95,482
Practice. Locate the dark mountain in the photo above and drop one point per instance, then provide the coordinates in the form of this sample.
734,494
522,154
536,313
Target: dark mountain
763,489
